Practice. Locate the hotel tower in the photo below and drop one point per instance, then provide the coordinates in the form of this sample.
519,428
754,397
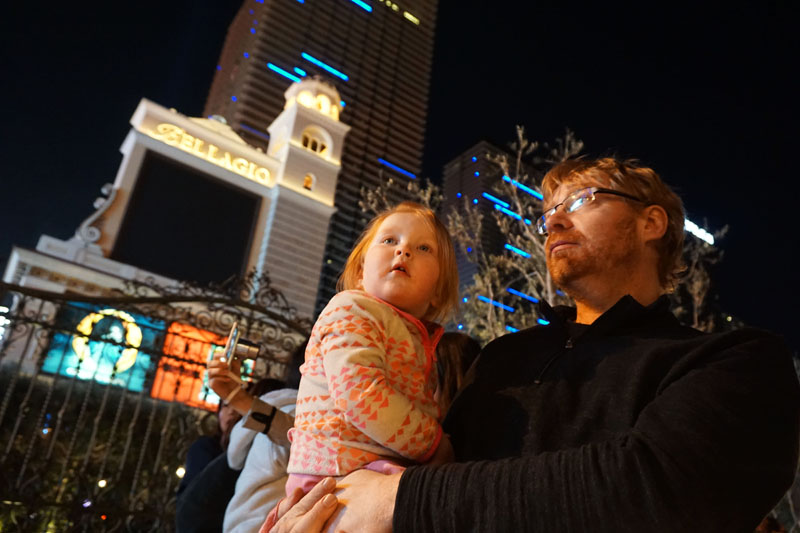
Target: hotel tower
376,53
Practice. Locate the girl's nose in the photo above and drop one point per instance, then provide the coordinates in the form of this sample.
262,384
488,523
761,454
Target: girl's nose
401,250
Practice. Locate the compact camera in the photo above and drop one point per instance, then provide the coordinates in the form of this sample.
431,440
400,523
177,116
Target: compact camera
238,348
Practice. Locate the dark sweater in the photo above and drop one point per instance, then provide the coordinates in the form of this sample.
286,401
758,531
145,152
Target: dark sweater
638,424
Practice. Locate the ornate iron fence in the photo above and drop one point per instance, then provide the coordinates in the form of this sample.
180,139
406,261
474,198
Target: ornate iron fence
100,397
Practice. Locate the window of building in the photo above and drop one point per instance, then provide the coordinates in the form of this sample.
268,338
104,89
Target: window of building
308,182
317,140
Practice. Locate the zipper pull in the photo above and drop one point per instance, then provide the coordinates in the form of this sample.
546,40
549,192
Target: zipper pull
568,344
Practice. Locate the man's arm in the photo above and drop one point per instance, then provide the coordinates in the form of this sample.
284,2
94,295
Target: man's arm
712,452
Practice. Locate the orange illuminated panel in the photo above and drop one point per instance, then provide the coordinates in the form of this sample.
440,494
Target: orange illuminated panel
181,373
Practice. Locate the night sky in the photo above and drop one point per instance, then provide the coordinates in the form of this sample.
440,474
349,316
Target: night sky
704,96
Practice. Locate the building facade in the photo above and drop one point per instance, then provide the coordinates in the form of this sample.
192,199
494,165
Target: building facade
192,201
377,53
471,177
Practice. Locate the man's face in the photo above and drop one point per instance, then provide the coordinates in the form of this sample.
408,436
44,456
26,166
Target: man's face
597,243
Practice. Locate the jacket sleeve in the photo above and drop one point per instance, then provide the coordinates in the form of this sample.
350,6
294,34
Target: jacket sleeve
713,451
353,349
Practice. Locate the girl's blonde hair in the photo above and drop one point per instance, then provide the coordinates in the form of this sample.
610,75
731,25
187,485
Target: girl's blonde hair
446,293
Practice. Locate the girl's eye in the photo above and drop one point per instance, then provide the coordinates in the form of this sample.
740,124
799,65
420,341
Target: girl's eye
425,248
389,240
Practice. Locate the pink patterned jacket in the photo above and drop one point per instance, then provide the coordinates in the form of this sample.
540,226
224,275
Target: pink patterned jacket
367,388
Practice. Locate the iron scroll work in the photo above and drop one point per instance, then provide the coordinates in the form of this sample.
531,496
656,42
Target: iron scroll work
81,454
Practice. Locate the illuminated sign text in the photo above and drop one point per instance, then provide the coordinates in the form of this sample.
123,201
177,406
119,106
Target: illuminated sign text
175,136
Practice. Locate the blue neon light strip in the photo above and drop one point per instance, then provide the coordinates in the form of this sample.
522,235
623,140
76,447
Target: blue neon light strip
511,329
496,304
518,185
496,200
542,321
253,130
507,211
300,71
342,102
363,5
396,168
282,72
516,250
523,295
327,67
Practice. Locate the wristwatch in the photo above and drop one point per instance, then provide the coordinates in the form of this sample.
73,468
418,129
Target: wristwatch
269,420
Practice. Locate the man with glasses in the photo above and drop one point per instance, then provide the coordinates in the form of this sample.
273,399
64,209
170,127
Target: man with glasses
613,417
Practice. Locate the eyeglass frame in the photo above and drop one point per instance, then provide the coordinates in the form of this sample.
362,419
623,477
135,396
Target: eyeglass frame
541,222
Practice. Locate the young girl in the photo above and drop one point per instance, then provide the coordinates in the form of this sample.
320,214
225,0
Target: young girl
366,398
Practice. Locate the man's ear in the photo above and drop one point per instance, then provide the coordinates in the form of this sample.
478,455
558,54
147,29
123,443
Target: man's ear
654,222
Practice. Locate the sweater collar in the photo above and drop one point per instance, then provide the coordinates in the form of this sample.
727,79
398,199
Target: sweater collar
431,332
626,313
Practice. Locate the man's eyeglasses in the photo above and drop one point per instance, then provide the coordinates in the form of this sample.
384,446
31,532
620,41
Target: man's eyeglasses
575,201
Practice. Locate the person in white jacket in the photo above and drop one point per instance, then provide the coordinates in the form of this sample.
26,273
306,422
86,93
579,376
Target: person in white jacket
259,445
263,464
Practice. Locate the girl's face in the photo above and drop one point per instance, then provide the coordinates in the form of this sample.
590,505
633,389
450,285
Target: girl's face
401,265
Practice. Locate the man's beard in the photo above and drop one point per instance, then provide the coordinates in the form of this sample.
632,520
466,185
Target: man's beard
605,255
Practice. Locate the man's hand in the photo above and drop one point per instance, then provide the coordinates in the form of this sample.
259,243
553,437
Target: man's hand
303,514
368,500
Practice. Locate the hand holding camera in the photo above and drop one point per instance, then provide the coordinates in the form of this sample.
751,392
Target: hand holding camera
225,365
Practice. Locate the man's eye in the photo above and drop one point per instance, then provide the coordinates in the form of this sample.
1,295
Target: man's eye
577,204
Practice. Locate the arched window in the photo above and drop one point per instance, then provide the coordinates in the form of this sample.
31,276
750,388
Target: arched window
317,140
324,103
308,181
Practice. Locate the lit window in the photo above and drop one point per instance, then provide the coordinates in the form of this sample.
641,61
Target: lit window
411,17
305,98
308,182
316,140
323,103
